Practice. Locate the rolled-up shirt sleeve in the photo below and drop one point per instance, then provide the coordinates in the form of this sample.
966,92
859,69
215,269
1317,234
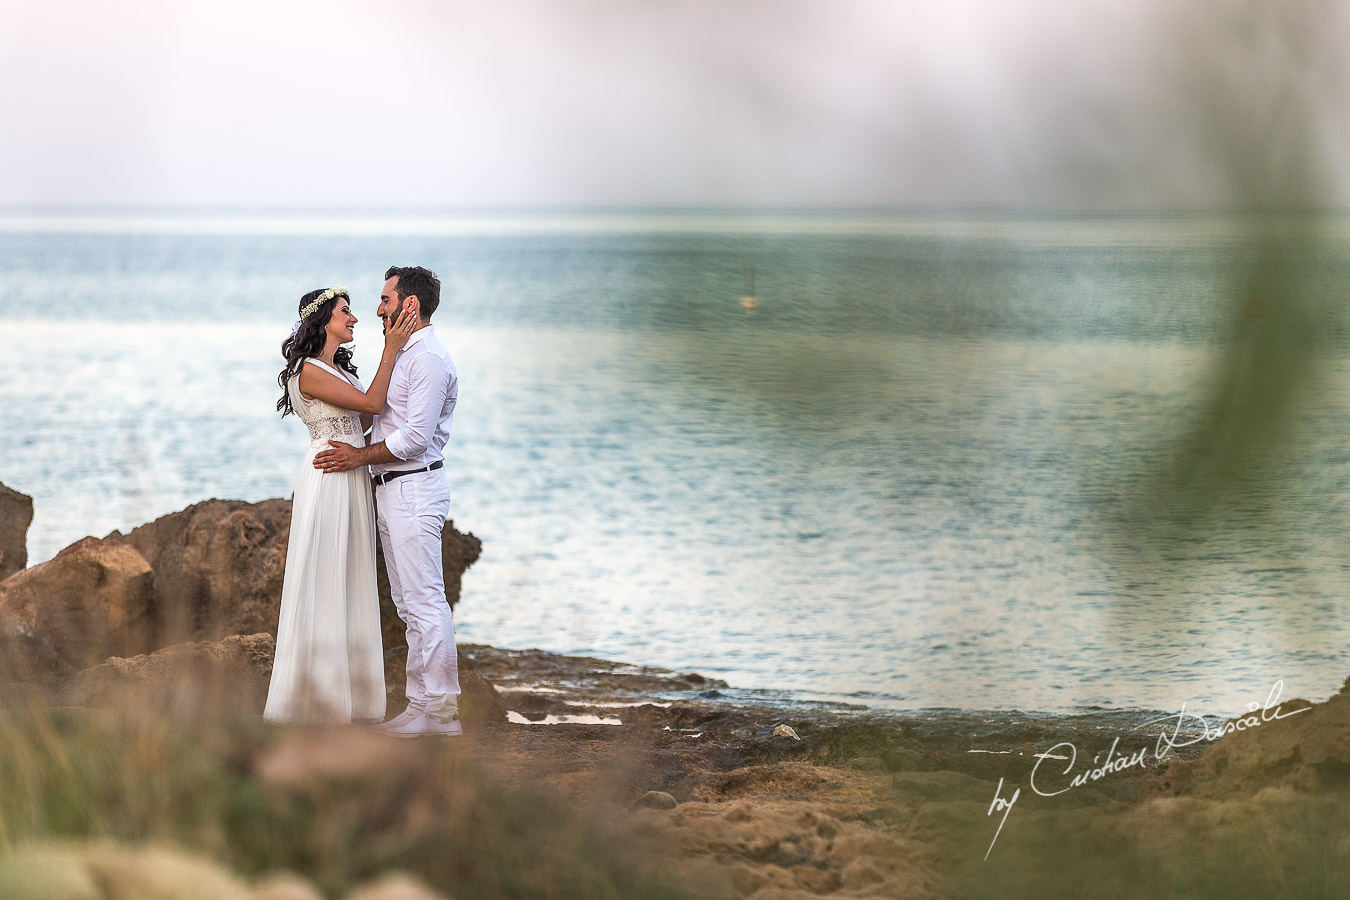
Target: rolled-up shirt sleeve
428,385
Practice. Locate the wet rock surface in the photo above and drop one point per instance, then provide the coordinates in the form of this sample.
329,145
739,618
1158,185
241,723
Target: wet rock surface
550,690
866,804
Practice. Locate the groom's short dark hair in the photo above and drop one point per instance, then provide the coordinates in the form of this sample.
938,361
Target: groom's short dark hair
417,280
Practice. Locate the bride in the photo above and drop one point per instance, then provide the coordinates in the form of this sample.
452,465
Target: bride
329,664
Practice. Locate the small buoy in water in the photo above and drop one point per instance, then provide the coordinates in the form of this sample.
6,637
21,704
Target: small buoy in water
749,304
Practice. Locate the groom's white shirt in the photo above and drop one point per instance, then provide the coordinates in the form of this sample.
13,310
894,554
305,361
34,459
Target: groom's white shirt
423,390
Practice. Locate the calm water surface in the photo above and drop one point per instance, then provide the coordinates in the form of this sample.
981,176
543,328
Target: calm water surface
897,484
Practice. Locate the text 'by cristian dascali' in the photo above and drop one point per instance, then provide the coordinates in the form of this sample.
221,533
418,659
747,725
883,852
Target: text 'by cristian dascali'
1048,784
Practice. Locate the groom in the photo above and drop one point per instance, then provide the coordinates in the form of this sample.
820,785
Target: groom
412,498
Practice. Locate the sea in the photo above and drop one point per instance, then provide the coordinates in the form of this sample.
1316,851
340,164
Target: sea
941,461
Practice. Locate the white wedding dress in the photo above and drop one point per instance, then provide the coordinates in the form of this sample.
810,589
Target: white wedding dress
329,664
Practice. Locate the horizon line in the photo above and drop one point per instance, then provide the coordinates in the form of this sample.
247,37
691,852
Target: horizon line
1006,224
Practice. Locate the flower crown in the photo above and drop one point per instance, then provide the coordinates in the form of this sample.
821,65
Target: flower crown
320,300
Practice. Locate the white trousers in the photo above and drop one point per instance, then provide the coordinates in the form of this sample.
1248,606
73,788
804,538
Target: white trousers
410,513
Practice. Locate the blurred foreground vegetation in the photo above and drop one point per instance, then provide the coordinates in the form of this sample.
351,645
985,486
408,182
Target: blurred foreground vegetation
339,806
1275,844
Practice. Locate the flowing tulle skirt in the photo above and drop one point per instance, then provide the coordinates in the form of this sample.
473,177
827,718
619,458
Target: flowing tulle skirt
329,664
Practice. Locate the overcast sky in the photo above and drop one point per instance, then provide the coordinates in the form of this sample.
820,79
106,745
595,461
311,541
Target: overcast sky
443,105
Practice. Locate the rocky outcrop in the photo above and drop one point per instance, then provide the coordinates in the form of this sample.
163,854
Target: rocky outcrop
241,665
16,514
219,566
94,599
1307,749
190,579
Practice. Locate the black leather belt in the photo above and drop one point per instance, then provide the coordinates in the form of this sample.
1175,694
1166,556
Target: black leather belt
384,477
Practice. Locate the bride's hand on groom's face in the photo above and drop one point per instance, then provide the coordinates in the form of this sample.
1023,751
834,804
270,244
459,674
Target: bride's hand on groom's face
339,457
397,334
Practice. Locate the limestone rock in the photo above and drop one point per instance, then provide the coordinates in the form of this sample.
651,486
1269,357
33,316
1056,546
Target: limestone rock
234,671
656,800
16,514
219,566
94,599
1307,749
780,847
28,658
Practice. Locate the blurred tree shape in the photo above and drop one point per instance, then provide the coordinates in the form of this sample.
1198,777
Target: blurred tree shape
1262,80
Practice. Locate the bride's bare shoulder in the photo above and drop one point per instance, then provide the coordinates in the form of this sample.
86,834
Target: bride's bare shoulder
312,376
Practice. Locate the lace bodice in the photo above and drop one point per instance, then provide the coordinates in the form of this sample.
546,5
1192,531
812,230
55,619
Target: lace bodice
324,420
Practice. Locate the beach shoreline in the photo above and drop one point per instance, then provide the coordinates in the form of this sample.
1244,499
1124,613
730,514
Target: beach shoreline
137,666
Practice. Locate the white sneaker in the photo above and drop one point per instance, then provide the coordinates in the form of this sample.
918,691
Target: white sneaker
424,725
403,718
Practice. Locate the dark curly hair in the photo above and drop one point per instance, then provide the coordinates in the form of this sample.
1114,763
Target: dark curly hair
420,281
307,342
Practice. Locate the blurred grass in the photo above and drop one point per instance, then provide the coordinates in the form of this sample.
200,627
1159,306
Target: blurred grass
1275,844
340,806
